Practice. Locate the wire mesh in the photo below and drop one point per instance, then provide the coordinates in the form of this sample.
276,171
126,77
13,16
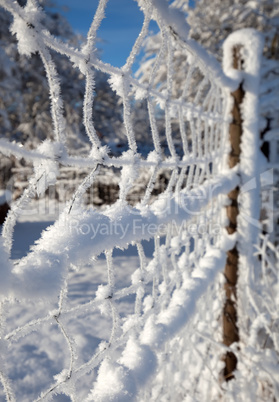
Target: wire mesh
94,310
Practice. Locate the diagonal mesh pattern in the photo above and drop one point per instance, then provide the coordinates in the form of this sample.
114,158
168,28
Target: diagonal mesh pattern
148,259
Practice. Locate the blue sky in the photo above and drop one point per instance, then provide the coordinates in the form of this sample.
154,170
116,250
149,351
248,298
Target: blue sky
119,29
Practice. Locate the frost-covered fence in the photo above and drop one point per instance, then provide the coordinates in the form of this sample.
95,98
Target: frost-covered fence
124,302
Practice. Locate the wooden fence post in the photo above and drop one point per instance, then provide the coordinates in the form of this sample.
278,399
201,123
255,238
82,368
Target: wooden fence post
230,329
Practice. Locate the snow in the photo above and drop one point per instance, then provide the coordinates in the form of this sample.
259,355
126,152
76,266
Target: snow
47,170
124,302
27,40
172,17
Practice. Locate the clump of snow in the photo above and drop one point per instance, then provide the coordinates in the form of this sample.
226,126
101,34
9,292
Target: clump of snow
113,384
99,154
47,170
141,93
139,359
116,83
172,17
103,292
24,29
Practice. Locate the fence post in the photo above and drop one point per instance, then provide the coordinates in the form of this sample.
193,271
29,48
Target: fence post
230,329
243,52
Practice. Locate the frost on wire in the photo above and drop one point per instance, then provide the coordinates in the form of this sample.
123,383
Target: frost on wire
144,301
